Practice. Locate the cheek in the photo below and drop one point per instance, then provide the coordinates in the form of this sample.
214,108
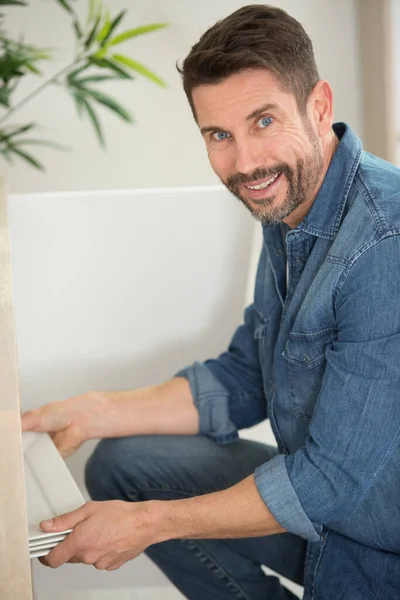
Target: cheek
290,151
220,161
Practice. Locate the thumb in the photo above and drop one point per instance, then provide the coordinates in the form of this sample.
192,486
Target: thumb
65,521
46,418
30,421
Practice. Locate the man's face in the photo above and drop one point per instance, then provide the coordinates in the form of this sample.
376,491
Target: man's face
262,149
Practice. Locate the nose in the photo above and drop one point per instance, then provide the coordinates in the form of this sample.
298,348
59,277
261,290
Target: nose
248,156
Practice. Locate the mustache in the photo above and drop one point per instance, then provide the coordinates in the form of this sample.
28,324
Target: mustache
240,178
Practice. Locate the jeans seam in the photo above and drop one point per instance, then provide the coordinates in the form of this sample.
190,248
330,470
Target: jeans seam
218,569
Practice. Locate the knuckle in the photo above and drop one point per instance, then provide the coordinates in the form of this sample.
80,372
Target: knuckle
88,558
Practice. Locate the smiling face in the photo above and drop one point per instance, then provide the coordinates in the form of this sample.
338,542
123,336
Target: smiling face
264,151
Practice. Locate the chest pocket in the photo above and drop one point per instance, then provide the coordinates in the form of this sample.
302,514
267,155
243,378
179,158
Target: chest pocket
305,355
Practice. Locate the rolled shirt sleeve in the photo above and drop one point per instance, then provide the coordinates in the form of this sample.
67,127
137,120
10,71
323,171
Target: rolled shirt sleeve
276,489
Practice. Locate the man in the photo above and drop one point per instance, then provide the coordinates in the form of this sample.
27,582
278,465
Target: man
317,354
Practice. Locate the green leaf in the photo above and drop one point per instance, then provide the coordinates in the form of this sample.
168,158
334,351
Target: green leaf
79,104
95,121
126,35
102,53
106,63
91,11
32,69
95,9
72,75
93,32
64,4
112,27
110,103
8,134
12,2
5,96
28,157
77,29
41,54
16,59
47,144
95,78
106,27
139,68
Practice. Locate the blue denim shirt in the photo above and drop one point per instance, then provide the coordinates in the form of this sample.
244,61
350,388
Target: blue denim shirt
322,359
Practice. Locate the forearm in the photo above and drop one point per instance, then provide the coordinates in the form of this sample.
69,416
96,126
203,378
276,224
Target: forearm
236,512
165,409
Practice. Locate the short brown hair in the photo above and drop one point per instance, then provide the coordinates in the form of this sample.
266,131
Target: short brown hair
254,37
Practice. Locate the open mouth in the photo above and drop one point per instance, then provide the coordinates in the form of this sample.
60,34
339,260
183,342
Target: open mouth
264,188
264,185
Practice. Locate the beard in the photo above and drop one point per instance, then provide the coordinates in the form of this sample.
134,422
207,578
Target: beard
302,181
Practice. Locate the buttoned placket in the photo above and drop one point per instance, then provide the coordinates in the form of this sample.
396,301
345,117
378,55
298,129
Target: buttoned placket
287,268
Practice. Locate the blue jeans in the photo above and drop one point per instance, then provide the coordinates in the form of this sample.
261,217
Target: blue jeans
170,467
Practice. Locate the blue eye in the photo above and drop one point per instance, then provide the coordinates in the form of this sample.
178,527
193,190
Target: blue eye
220,135
265,122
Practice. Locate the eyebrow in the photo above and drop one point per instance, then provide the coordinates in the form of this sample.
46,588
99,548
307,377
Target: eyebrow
250,117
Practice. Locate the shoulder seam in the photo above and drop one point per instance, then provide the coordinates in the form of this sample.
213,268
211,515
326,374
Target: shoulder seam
370,200
350,264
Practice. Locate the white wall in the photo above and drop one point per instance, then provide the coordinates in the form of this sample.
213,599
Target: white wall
163,148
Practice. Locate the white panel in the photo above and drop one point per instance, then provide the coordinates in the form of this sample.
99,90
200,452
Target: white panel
119,289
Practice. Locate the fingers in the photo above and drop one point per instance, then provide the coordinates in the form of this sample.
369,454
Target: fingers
66,442
51,417
106,561
67,520
62,553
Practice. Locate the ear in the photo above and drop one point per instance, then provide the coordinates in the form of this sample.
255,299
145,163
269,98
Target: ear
322,107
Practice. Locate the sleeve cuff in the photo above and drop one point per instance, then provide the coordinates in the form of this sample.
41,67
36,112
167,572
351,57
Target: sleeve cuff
276,489
212,402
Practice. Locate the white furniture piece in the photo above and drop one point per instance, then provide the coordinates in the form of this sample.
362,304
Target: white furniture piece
50,490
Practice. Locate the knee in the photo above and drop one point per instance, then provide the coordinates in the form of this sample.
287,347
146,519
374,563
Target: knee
143,467
104,470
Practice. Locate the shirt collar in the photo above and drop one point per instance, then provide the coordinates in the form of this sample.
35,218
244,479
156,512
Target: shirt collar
325,215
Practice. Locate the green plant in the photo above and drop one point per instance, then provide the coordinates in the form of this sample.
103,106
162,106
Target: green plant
96,61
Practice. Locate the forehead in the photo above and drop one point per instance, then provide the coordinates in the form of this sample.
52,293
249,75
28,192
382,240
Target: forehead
238,95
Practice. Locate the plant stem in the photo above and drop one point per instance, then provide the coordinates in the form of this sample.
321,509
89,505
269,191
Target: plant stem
38,90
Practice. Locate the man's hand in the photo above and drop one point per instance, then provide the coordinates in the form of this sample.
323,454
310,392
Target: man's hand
105,534
69,422
108,534
165,409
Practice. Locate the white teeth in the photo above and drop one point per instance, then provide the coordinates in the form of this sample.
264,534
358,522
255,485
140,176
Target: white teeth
262,186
